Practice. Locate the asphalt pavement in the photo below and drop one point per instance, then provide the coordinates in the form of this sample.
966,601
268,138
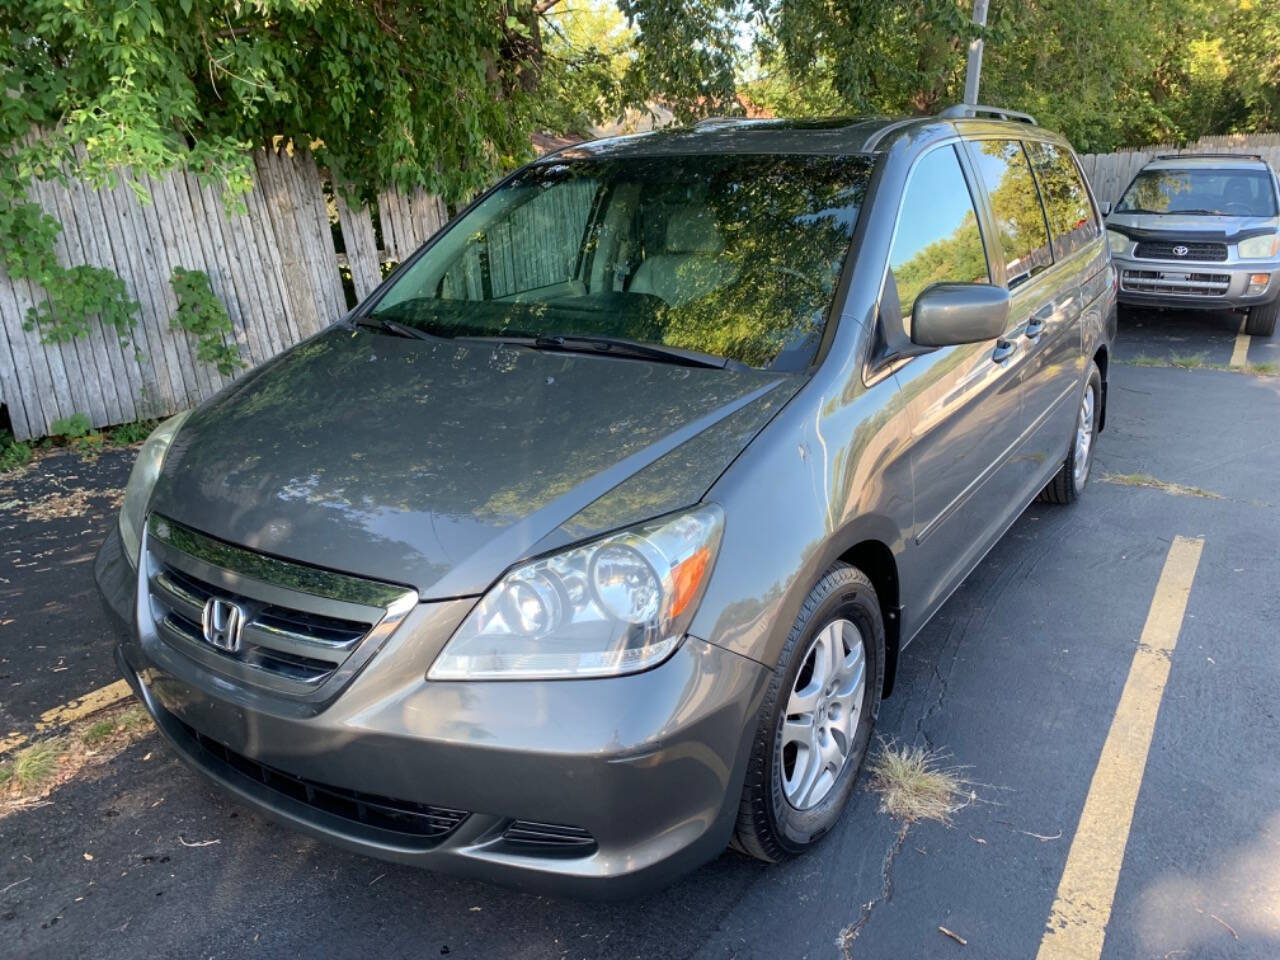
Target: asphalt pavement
1017,680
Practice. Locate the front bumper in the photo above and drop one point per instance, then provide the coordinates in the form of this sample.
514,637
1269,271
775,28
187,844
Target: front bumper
1209,285
650,766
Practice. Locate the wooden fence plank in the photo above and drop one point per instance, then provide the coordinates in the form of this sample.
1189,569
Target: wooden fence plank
361,245
95,366
77,358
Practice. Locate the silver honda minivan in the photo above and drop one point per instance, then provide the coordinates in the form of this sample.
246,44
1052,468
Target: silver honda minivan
588,543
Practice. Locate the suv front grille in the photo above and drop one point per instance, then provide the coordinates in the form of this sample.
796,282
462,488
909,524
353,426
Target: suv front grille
417,820
1196,250
1182,284
299,626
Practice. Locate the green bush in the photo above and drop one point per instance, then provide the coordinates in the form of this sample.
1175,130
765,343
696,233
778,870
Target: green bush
72,427
13,453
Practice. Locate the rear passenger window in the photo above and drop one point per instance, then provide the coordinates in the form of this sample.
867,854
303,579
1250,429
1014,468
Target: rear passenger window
937,240
1016,204
1065,199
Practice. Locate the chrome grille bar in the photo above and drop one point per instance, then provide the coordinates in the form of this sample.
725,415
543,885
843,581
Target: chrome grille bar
303,627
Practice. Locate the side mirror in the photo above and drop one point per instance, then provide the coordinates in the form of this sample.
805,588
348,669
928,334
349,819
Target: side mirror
947,314
1105,208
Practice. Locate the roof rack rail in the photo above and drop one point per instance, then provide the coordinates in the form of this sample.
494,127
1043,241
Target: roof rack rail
1209,153
982,110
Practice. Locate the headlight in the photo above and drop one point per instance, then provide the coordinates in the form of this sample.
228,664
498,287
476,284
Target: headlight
1117,241
146,470
1256,248
613,606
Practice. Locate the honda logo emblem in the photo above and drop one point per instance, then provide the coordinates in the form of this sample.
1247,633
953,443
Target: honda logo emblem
1180,250
222,621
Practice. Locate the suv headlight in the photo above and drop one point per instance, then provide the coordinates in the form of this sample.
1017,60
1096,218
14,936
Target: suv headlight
1117,241
616,605
1257,248
146,470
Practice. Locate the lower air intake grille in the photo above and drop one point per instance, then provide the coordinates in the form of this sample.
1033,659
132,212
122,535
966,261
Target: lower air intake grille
549,838
1181,284
417,820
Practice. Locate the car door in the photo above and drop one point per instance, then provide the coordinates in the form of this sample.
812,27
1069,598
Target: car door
963,401
1042,304
1056,367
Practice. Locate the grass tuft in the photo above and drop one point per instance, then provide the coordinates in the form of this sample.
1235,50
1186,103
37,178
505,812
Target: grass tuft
35,766
1188,361
1142,360
913,786
1267,369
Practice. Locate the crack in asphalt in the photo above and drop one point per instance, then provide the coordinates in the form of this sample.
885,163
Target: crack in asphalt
850,933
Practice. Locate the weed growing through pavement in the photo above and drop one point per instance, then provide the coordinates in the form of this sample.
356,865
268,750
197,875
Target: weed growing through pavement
913,785
39,768
1146,480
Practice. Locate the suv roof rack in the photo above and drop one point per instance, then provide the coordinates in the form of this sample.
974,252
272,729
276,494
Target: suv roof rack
982,110
1209,153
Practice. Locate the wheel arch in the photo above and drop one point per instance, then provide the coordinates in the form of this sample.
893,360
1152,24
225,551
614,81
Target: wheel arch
875,558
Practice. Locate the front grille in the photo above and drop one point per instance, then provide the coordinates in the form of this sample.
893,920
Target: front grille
420,821
1196,250
1181,284
549,838
300,626
302,646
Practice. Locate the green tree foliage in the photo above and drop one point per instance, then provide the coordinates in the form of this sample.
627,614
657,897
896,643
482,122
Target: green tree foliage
202,314
1106,74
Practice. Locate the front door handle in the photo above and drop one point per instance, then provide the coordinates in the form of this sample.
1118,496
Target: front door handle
1004,350
1035,325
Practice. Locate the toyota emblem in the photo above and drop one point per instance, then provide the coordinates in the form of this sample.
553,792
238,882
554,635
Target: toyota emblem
1180,250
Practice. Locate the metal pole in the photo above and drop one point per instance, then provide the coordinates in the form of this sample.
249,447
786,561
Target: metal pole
974,72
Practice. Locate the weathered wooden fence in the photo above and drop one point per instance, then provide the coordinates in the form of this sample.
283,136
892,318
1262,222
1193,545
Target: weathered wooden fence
276,268
1110,173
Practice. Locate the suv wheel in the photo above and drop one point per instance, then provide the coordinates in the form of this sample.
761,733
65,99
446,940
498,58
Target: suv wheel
1262,319
816,720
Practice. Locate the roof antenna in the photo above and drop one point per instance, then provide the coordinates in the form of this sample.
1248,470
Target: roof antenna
974,71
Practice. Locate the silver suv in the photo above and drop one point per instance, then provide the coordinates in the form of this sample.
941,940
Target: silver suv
1201,231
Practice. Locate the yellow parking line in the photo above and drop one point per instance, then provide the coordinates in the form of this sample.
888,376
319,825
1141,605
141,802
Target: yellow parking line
71,711
1240,354
1078,921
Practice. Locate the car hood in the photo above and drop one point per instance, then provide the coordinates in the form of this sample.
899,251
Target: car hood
438,465
1229,229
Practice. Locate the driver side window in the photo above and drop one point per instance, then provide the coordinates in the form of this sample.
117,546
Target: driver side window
937,239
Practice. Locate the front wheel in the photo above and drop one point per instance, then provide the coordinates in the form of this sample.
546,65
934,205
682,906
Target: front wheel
1069,482
1261,321
816,720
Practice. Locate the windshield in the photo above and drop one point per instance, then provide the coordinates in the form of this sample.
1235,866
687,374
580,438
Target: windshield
1232,193
730,255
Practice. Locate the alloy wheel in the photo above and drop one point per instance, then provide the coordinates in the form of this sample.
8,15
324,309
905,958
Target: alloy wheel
1084,439
823,711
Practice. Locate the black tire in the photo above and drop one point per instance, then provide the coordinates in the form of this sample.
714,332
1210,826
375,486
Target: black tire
1065,488
1261,321
769,828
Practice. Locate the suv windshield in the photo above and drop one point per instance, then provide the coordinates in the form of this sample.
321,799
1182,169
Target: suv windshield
730,255
1231,193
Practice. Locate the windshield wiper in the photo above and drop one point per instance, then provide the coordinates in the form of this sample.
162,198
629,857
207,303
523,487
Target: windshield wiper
618,347
392,327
